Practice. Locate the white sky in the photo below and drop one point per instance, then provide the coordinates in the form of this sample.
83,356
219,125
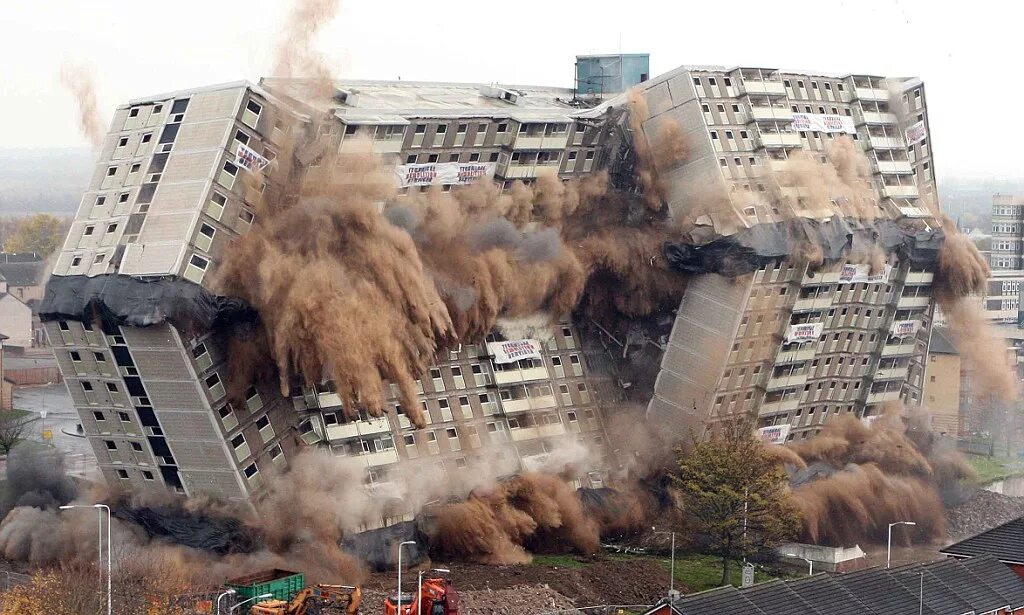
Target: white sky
967,53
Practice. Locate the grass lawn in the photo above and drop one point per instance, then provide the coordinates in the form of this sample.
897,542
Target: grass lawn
698,572
694,572
559,561
994,468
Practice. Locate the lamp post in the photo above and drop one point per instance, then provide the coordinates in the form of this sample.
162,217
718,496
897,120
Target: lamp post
260,597
810,562
398,598
888,547
109,567
672,568
229,592
419,587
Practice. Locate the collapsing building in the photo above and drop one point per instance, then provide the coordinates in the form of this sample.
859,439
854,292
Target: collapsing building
792,340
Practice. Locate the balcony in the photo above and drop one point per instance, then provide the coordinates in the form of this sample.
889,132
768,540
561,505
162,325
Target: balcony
380,146
771,113
381,458
551,429
783,382
778,139
778,166
812,303
534,463
358,428
903,191
883,396
514,170
886,142
525,404
783,405
901,167
892,373
524,433
535,142
876,117
792,356
521,375
919,277
877,94
772,88
913,302
898,351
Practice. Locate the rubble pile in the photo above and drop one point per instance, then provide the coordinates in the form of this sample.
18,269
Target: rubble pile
984,510
514,600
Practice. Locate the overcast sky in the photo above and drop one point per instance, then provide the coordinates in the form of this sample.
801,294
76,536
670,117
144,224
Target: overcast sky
965,52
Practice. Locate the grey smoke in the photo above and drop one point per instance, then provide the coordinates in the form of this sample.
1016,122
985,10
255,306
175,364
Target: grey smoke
36,478
528,247
539,247
403,217
463,297
497,233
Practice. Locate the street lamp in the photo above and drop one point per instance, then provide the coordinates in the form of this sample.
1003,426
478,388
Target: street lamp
672,569
419,587
810,562
260,597
229,592
398,598
888,547
98,507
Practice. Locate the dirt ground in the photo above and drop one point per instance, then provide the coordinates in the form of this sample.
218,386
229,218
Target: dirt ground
538,588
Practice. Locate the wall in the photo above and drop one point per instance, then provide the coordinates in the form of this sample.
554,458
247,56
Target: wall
942,391
15,321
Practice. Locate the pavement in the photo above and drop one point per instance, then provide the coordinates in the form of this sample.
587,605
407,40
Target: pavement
56,414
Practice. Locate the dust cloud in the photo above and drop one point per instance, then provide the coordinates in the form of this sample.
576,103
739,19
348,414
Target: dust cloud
81,84
852,480
960,278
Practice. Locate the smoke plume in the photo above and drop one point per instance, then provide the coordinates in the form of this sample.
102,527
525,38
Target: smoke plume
852,480
82,85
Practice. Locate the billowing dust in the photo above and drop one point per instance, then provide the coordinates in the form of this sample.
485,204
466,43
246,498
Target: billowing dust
367,298
81,84
852,480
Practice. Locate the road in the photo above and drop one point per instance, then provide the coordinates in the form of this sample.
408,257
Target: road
55,412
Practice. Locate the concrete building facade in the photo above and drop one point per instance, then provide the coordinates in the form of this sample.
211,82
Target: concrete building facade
802,346
170,191
168,195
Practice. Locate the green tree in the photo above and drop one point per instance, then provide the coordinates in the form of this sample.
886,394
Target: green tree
735,492
40,233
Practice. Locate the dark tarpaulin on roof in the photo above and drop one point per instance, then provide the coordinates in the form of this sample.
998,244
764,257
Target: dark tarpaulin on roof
125,300
215,534
379,548
755,247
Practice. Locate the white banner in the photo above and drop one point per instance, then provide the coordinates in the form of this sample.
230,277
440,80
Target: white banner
248,158
514,350
442,173
807,332
856,274
774,434
823,123
915,133
904,328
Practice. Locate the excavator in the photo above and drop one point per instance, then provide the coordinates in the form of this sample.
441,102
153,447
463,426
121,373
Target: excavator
437,596
313,600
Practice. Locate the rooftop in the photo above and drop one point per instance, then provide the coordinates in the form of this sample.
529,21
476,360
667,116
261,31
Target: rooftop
1004,542
941,343
951,587
23,273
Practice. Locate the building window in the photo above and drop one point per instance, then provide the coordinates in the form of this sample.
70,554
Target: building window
251,470
147,475
111,171
112,387
137,447
122,474
86,386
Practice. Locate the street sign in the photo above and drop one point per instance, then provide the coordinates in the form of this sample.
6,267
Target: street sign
748,576
47,434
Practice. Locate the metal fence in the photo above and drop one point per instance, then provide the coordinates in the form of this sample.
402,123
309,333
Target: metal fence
604,609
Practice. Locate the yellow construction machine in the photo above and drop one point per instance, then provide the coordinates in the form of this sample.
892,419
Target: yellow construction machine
314,600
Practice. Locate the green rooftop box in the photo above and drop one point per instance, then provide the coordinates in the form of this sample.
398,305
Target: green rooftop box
283,584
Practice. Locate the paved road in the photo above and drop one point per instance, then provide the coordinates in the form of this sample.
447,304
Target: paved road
52,404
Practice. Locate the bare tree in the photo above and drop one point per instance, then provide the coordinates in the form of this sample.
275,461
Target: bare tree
13,426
